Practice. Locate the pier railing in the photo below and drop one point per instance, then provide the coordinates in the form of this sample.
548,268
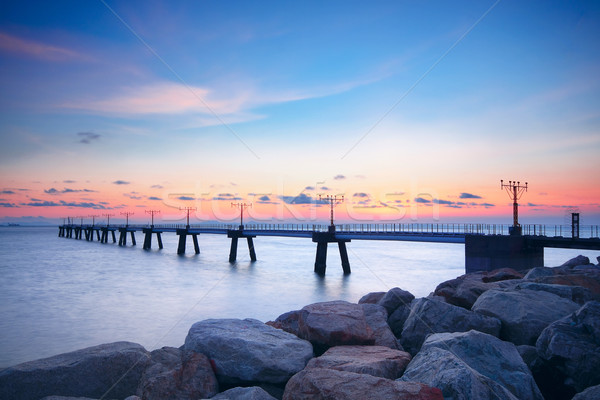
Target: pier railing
565,231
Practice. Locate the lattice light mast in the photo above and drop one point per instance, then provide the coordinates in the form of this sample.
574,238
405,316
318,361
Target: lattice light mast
187,210
241,206
107,218
333,200
152,212
93,217
127,214
515,190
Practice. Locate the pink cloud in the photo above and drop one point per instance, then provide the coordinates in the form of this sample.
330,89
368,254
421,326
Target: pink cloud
14,44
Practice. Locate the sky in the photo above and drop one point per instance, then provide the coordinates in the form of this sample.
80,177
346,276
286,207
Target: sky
413,111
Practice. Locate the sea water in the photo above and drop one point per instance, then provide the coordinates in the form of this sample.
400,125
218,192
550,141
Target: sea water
59,294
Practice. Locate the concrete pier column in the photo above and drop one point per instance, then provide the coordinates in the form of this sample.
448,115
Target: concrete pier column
133,238
147,239
251,248
344,257
122,237
182,238
321,258
195,239
160,245
233,249
113,237
486,253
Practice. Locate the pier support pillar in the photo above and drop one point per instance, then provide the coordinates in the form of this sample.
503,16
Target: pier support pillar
233,249
235,235
251,248
322,239
147,239
181,246
321,258
486,253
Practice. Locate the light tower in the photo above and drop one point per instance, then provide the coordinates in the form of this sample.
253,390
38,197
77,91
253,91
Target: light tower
333,200
188,209
152,212
93,217
127,214
241,206
107,219
515,190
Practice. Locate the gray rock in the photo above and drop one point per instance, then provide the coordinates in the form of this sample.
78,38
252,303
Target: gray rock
433,316
501,274
372,360
578,294
89,372
585,267
464,290
440,368
177,375
395,298
538,272
376,317
134,397
244,393
579,260
591,393
489,356
571,345
524,313
328,324
248,350
397,318
371,298
329,384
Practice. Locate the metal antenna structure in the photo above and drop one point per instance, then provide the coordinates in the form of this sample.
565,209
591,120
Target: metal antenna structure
93,217
515,190
333,200
152,212
188,209
81,219
127,214
107,218
241,206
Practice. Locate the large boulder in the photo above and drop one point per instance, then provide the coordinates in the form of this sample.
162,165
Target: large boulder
244,393
538,272
464,290
589,278
571,345
329,324
429,316
578,294
591,393
377,319
372,360
177,375
395,298
490,356
524,313
243,351
579,260
397,318
371,298
501,274
111,370
440,368
327,384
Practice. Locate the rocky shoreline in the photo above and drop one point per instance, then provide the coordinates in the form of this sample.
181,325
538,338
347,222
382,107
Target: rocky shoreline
503,334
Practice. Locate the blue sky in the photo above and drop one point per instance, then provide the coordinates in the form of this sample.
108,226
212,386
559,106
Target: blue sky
398,97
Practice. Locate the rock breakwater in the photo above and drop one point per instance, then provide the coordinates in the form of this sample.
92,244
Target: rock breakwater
503,334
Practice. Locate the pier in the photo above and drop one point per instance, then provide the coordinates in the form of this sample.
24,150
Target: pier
487,246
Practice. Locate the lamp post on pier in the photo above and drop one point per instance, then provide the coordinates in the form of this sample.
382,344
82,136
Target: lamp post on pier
333,201
188,209
127,214
152,212
515,190
241,206
93,217
107,219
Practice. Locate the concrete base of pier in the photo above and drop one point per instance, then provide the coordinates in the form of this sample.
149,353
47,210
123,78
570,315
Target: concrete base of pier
322,239
183,234
235,235
486,253
148,237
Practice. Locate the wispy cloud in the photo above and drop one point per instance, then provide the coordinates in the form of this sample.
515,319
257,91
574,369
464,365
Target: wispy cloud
339,177
13,44
469,196
121,182
88,137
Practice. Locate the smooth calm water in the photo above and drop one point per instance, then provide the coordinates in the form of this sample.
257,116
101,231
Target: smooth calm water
59,294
